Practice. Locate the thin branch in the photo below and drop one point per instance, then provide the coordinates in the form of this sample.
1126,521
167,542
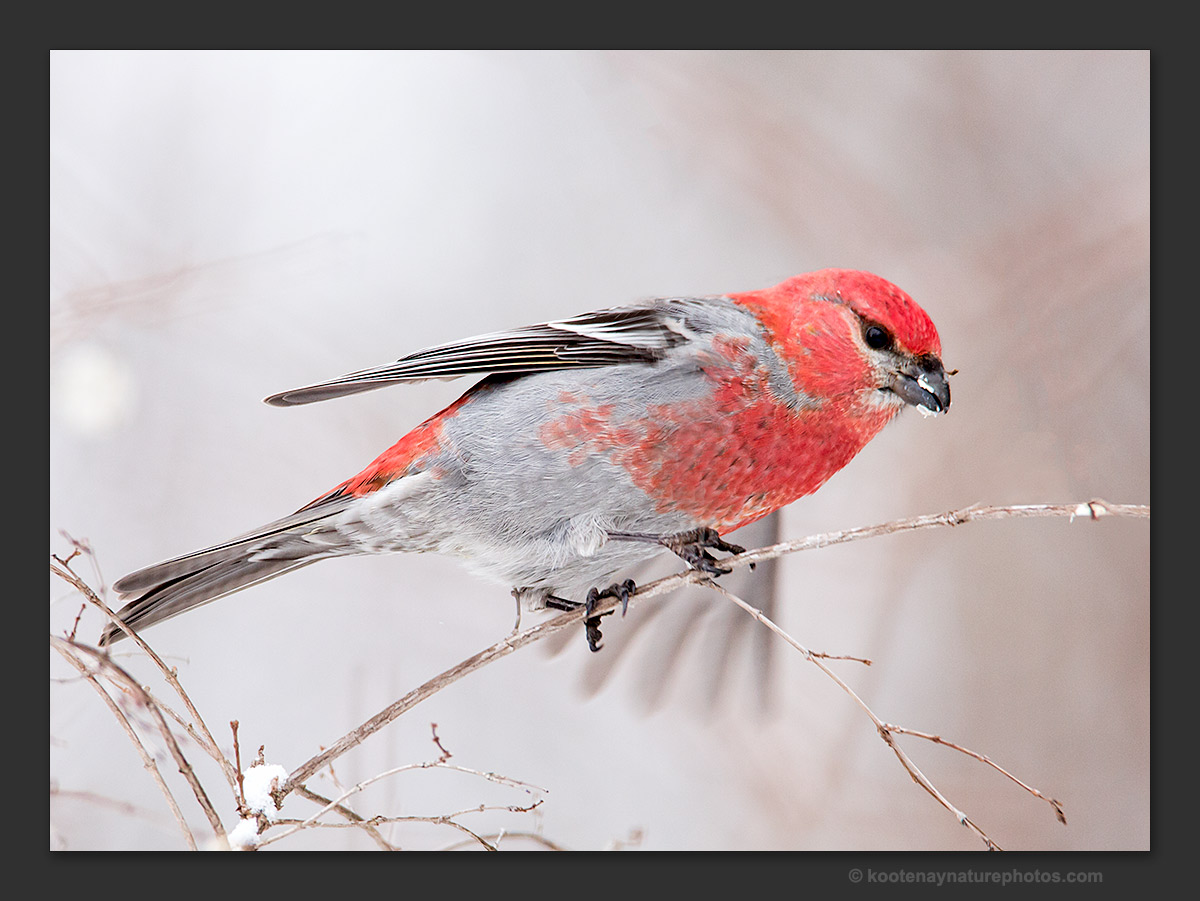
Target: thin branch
75,625
403,768
982,758
205,738
446,755
353,818
495,839
106,663
67,650
916,774
500,649
443,819
237,761
1094,509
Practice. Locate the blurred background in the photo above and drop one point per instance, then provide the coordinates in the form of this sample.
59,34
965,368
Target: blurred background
225,225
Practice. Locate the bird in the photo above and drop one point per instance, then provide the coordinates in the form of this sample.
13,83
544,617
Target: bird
590,444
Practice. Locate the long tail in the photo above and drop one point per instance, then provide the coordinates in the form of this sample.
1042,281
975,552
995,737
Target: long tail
177,585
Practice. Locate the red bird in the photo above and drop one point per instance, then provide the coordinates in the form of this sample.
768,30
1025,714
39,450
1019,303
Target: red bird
594,442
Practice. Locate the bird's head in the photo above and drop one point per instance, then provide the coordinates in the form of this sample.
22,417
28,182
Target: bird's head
854,337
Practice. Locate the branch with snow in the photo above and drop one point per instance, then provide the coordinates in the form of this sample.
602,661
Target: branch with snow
261,790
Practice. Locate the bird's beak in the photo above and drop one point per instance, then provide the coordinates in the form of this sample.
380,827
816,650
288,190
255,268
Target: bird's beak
922,383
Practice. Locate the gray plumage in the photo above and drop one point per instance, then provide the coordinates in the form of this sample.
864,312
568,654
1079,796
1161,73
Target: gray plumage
511,509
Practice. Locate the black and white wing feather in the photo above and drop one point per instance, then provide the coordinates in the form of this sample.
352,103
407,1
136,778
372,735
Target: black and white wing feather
604,338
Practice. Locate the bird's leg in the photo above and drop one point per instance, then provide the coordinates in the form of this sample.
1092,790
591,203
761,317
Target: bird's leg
691,545
516,593
591,624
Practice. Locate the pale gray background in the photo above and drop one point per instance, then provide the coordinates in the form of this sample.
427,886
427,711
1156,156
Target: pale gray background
226,225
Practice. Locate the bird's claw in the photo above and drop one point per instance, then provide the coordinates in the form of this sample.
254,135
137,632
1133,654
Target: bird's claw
692,546
622,591
591,631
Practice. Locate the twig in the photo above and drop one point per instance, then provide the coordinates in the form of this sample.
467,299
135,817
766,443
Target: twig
403,768
204,738
495,839
887,730
884,732
105,662
354,818
237,760
66,649
445,819
500,649
446,755
1094,509
982,758
437,819
75,625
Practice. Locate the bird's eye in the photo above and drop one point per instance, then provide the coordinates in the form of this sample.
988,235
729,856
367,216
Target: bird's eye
877,337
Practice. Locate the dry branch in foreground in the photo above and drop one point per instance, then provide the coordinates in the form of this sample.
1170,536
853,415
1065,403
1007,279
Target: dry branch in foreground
101,665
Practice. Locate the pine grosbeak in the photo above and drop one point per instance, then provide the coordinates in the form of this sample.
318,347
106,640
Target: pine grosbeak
594,442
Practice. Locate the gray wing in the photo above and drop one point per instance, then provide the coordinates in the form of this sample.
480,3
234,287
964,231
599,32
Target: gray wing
604,338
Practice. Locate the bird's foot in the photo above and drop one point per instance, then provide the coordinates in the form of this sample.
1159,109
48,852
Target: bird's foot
591,623
692,546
